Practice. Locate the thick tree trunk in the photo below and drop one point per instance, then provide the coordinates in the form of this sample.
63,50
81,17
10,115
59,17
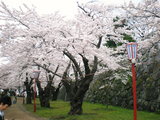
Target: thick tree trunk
47,96
55,92
44,99
77,98
44,94
77,89
47,103
29,97
76,106
52,93
55,95
41,98
28,90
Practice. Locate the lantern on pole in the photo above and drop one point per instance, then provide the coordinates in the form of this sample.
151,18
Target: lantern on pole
35,76
132,55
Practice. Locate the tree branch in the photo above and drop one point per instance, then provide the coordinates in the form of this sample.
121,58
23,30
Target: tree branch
71,57
11,15
86,66
95,64
99,42
55,72
47,69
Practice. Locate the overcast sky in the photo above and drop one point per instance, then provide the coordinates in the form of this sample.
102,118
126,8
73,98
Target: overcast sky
65,7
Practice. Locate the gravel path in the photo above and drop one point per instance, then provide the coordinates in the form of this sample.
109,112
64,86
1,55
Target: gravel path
18,112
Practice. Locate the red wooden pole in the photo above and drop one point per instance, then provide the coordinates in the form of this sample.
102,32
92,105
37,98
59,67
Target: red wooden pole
35,96
134,91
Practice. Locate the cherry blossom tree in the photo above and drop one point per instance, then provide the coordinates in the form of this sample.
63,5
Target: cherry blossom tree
144,20
25,38
78,47
85,48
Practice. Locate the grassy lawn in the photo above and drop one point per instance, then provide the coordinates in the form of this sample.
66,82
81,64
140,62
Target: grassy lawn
59,110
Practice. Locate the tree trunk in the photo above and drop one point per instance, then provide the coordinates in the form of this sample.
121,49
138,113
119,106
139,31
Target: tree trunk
76,106
41,94
55,91
55,95
77,99
44,94
44,98
28,90
41,98
77,89
29,97
47,95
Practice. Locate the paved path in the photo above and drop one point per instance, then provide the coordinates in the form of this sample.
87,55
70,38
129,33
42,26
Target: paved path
18,112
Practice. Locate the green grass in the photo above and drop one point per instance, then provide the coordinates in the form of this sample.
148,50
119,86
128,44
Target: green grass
59,110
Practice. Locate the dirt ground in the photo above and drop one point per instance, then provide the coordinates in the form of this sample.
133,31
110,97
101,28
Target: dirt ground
18,112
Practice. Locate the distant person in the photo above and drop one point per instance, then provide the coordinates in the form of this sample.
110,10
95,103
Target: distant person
5,102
